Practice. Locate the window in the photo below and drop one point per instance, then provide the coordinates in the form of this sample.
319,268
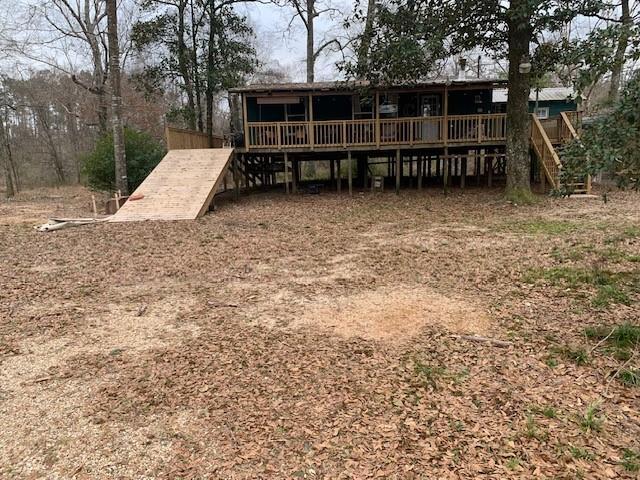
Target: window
363,107
296,112
542,113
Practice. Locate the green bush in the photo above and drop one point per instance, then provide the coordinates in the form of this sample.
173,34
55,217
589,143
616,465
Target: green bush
143,154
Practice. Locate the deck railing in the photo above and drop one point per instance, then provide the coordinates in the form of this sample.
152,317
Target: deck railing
453,129
549,160
567,125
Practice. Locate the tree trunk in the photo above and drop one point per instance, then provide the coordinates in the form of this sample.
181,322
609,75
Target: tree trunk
211,70
103,112
621,49
10,177
42,114
518,120
195,70
72,128
310,50
116,98
365,43
183,66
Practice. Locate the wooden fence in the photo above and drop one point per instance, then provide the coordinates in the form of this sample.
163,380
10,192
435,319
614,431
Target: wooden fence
181,139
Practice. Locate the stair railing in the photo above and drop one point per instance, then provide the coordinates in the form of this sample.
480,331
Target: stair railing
545,152
569,133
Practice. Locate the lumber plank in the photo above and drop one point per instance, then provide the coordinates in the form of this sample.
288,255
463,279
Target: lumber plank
181,187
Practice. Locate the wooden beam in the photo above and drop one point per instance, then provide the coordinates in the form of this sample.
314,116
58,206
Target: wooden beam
419,172
236,177
245,122
311,125
296,175
445,134
332,170
377,110
463,172
365,171
286,172
350,172
398,171
445,171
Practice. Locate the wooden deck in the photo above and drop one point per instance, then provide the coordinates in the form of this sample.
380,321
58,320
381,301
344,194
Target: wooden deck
410,132
181,187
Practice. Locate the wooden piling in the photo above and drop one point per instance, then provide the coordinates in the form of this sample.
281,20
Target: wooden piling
236,178
286,172
350,172
295,178
398,171
463,172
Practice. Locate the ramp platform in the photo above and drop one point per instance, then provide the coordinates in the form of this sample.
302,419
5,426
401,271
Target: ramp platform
181,187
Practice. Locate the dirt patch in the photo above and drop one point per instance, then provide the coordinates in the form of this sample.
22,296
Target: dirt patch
397,313
34,207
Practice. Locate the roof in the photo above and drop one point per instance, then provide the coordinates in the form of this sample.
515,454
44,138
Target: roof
545,95
355,84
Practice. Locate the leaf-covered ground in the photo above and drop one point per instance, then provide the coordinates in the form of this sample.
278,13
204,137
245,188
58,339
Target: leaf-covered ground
323,336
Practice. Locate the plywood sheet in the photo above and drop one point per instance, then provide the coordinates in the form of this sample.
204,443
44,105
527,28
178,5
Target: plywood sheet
181,187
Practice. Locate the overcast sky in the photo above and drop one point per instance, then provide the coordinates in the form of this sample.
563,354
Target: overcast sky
276,42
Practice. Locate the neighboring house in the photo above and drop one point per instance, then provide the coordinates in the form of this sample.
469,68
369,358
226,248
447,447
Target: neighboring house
550,101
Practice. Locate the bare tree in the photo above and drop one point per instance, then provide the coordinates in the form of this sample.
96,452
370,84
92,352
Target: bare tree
116,98
85,21
365,40
308,11
626,23
11,183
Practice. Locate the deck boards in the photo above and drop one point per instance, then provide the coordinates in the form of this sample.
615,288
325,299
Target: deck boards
179,188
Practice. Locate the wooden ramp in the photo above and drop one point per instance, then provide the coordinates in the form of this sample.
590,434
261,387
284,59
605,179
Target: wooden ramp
181,187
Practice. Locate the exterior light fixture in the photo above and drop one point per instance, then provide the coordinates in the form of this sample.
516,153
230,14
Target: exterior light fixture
525,65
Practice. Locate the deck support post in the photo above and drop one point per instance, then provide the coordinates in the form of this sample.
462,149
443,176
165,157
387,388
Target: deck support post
338,177
245,165
489,164
445,170
286,172
350,172
463,172
365,171
295,178
410,171
398,171
419,168
332,170
236,178
478,166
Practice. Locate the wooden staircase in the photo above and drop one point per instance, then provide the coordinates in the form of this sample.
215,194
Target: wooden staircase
548,158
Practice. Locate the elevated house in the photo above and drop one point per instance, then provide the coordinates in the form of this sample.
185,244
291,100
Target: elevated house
441,131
